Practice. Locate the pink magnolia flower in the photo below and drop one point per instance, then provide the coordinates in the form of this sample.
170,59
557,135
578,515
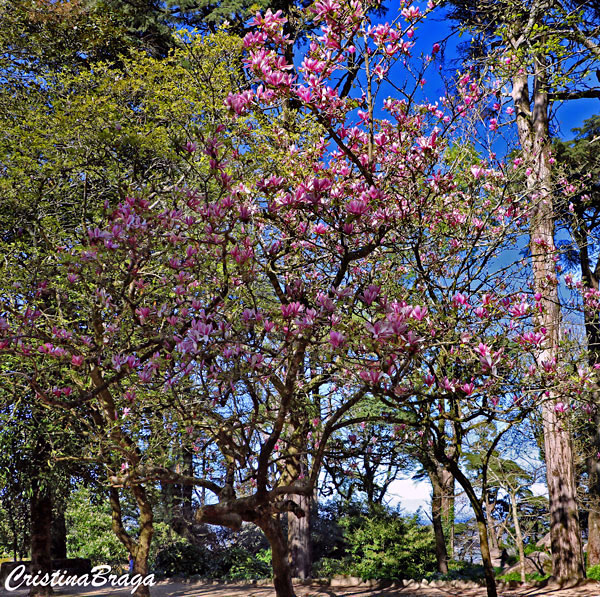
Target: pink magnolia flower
411,13
357,207
419,313
291,310
468,388
477,172
429,380
77,360
142,313
336,339
371,293
460,299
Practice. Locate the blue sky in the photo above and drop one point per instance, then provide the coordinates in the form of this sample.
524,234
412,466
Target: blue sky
436,28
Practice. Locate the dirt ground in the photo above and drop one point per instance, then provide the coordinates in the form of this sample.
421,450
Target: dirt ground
180,589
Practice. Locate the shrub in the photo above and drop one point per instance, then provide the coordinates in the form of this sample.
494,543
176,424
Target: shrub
593,572
516,576
184,558
232,563
89,530
243,565
329,567
384,544
459,570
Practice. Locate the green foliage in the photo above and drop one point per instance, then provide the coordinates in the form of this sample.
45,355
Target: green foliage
382,543
186,559
329,567
233,563
593,572
89,530
244,565
459,570
516,576
532,548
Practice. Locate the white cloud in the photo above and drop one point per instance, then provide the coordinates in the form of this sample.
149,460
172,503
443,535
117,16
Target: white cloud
410,494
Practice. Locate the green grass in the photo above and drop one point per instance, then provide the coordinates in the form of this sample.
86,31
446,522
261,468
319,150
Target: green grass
532,577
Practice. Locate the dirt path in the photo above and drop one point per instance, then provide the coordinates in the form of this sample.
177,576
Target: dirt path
180,589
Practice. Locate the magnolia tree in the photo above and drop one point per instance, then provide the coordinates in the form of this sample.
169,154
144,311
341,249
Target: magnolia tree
331,244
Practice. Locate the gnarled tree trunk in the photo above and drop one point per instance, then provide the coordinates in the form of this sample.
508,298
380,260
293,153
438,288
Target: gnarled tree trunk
140,548
282,573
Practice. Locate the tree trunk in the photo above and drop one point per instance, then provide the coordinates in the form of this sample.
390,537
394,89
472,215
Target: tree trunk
486,558
282,574
442,508
593,546
448,508
565,537
41,538
140,549
187,491
59,534
441,553
178,500
518,535
533,130
299,539
493,538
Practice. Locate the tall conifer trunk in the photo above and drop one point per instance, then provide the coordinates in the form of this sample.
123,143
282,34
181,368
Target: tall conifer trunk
534,134
299,538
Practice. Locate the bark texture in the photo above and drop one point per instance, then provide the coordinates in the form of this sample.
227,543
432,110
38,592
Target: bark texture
41,537
518,535
299,539
448,485
59,534
140,548
437,517
480,518
282,573
533,130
